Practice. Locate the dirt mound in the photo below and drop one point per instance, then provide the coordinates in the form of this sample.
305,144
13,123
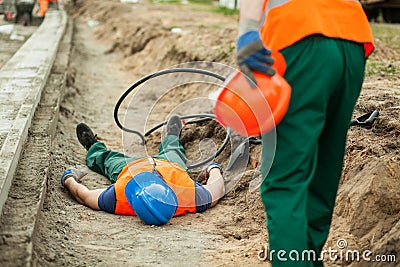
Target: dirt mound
149,42
372,193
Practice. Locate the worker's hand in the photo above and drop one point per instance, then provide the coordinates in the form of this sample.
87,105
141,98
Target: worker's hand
74,173
251,56
205,173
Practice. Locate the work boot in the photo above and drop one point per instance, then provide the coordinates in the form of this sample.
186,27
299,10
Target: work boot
85,135
174,125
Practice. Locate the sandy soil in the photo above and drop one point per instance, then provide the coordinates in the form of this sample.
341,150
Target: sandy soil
114,45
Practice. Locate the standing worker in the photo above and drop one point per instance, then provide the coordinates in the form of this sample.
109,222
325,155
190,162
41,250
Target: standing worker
325,44
44,5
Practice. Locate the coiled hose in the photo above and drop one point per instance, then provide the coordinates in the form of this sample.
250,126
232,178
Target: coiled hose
202,117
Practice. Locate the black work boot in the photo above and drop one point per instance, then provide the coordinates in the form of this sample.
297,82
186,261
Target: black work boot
174,125
85,135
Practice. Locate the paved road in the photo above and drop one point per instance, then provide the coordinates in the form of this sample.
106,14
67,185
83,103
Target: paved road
25,71
12,37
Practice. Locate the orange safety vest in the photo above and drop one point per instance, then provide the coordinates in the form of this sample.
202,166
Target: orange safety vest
288,21
173,174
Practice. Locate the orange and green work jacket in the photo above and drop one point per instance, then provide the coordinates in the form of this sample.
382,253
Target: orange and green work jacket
173,174
44,5
288,21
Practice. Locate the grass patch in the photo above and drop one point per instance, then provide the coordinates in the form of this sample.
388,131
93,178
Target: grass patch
166,1
226,11
389,34
378,67
205,5
202,2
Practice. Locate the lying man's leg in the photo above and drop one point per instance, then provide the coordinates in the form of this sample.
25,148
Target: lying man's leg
99,159
106,162
171,148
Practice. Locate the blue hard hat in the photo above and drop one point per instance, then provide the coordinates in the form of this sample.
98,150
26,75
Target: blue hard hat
153,201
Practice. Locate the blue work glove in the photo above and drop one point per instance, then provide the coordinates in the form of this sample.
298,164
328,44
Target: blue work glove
252,55
74,173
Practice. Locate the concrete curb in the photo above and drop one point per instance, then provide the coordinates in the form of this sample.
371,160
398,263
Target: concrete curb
22,80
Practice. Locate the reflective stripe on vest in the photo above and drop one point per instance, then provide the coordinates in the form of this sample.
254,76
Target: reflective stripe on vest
274,3
173,174
288,21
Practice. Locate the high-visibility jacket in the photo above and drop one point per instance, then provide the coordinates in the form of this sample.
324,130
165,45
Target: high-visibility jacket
288,21
173,174
44,5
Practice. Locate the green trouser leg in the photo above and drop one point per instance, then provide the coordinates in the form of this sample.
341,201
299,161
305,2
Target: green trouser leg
171,149
106,162
110,163
300,188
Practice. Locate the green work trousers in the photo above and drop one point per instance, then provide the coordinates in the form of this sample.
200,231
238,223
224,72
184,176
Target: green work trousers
303,167
110,163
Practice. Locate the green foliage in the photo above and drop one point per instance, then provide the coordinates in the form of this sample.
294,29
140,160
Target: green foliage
226,11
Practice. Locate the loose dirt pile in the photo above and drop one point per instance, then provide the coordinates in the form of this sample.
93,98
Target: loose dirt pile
115,44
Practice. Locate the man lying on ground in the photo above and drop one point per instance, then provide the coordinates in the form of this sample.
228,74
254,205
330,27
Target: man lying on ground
154,188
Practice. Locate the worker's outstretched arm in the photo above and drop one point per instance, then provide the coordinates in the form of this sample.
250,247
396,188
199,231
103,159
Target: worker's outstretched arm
82,194
215,185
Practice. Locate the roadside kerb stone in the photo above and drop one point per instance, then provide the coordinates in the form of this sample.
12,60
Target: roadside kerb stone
22,210
22,80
